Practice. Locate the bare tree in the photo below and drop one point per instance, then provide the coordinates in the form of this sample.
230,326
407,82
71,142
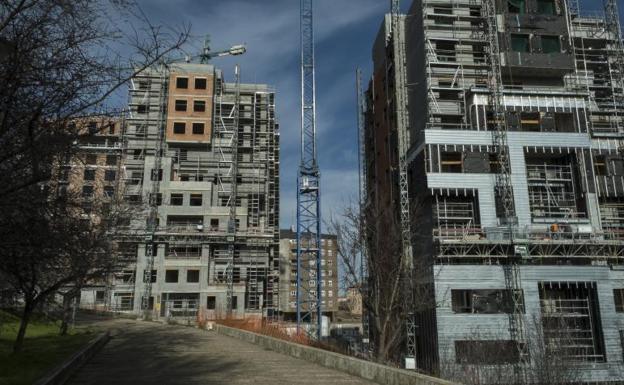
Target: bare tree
60,60
372,237
490,358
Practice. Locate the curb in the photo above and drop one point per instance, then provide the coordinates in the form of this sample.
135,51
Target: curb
62,373
372,371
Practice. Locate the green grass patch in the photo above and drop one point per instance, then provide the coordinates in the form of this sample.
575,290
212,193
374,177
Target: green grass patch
43,349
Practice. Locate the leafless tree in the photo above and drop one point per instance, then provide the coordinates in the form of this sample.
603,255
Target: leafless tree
373,236
548,361
60,60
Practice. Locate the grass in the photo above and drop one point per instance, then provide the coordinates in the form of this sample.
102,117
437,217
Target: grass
43,349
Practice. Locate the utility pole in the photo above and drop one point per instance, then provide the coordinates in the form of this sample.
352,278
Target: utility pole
308,189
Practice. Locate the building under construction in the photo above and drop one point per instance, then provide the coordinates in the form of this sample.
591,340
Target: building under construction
516,181
201,165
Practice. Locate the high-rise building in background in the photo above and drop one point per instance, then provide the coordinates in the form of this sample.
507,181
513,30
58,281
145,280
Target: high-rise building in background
516,181
192,162
288,274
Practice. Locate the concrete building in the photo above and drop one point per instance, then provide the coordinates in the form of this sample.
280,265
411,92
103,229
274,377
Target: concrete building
542,127
191,159
288,274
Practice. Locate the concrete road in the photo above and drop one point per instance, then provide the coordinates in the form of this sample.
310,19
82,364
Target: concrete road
150,353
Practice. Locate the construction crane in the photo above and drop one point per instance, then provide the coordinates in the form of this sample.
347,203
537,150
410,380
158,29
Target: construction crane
402,122
156,174
308,190
503,188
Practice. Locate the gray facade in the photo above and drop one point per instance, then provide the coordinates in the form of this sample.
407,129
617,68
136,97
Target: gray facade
564,128
193,195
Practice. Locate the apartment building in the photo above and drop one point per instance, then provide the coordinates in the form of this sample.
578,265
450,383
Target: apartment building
288,274
201,165
516,166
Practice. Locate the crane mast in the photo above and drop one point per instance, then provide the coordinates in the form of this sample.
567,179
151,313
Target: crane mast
407,261
308,190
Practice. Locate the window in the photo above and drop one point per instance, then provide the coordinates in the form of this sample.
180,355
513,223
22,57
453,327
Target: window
520,43
446,51
110,175
199,106
171,276
234,302
152,277
551,44
494,352
182,83
516,6
156,198
99,296
483,301
156,175
111,160
200,83
600,165
530,121
192,276
92,127
451,162
109,191
91,159
123,301
87,191
198,128
141,109
89,174
196,199
214,224
618,296
176,200
180,105
179,127
546,7
211,302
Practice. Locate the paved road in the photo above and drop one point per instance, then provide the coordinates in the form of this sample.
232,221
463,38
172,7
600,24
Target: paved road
150,353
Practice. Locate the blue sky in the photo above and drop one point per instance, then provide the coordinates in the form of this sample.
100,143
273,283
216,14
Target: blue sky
345,31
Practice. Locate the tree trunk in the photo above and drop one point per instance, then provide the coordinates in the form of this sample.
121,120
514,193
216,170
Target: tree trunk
67,299
19,341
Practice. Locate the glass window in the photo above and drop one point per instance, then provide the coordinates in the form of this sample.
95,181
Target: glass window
180,105
171,276
198,128
176,200
109,191
546,7
110,175
89,174
182,83
91,159
179,127
520,43
211,302
200,83
87,191
111,160
199,105
196,199
551,44
192,276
